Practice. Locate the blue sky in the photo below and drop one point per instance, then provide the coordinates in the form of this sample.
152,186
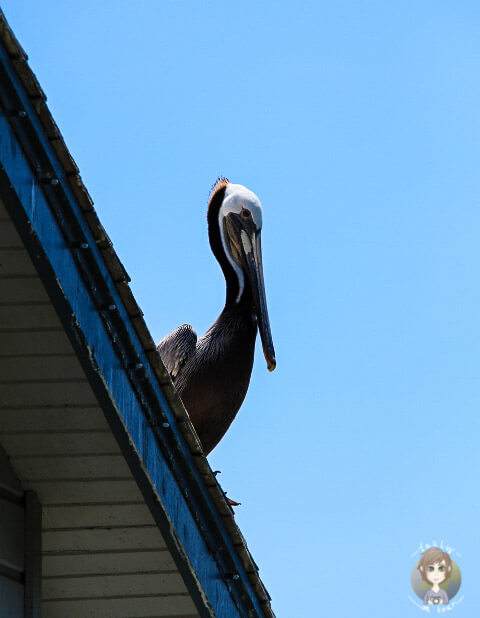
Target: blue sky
357,125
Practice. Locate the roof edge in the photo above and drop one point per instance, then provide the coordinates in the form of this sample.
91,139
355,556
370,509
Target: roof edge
71,195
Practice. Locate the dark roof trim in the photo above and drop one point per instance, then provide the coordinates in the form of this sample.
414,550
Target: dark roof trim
37,181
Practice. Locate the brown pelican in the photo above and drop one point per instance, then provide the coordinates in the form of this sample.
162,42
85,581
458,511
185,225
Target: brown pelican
212,374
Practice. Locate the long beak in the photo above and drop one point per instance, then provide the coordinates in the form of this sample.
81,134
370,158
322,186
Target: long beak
253,258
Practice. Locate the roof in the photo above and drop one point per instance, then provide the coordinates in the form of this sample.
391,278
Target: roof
89,289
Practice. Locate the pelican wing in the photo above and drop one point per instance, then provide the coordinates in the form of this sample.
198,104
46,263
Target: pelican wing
176,348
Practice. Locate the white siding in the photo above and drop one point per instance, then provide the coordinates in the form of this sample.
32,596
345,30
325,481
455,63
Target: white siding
102,553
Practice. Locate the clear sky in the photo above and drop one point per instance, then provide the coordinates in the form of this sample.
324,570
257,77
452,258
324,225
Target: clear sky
357,125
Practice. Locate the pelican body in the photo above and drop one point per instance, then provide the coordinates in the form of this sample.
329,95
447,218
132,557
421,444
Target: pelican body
212,373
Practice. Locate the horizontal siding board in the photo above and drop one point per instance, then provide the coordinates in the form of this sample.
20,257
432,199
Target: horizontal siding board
76,516
22,290
14,262
155,607
12,529
101,563
80,492
40,367
46,393
8,235
28,316
113,586
34,342
87,467
63,418
102,539
62,443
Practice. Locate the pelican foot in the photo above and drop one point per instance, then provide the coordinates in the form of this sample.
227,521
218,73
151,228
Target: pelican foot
231,502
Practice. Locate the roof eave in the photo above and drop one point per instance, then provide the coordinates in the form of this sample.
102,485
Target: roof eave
156,423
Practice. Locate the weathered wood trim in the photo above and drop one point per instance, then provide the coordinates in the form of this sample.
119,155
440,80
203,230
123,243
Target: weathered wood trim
10,487
33,555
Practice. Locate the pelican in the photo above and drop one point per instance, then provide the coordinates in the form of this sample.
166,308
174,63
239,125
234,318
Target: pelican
211,374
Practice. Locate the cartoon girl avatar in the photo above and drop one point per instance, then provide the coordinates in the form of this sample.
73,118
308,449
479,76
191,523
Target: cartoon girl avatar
435,567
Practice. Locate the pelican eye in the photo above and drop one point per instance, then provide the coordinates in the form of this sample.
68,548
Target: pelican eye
246,214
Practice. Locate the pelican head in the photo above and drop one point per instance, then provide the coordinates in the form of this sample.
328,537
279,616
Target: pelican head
235,224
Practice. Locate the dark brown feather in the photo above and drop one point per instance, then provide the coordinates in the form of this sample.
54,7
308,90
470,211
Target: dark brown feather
176,347
214,379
